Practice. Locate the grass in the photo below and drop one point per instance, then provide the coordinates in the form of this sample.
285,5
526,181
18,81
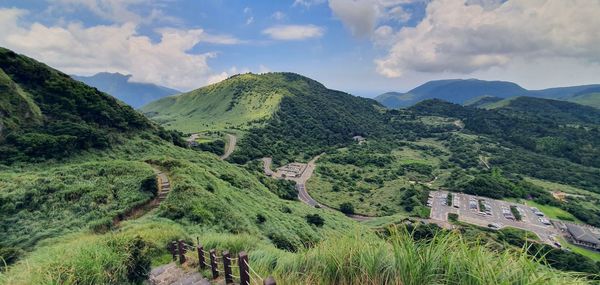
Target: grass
591,99
594,255
360,258
553,212
48,201
374,189
223,105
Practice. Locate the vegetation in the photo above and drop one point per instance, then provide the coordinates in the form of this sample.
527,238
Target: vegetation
52,201
58,116
402,259
67,211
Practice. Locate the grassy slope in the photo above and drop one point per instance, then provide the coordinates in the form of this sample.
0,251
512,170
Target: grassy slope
208,196
16,106
591,99
374,189
50,201
229,104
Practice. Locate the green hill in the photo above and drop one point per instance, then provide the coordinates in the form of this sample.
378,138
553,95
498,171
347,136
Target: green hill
50,115
91,215
283,114
238,102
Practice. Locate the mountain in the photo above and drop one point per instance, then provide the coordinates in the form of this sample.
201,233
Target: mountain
46,114
281,113
133,93
454,90
94,215
471,90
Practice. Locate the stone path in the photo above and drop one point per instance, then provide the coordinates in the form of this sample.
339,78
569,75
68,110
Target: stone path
171,274
164,185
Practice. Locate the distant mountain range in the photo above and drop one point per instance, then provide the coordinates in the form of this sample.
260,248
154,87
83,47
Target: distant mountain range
133,93
469,91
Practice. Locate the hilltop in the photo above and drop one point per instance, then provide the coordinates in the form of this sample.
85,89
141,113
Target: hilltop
281,114
135,94
46,114
469,91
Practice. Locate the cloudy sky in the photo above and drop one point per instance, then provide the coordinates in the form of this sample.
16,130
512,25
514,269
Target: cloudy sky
364,47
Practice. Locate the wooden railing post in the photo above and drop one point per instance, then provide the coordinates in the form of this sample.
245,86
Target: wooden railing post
227,267
269,281
201,259
244,270
172,247
213,264
181,251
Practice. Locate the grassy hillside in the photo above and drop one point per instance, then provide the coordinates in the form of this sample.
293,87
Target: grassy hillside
65,219
588,99
238,102
51,115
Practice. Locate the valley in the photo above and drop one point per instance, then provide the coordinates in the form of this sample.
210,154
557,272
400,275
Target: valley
292,172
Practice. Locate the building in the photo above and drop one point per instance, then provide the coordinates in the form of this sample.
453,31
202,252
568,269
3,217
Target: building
583,236
359,139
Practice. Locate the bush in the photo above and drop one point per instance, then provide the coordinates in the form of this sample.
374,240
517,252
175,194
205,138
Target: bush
315,219
347,208
260,219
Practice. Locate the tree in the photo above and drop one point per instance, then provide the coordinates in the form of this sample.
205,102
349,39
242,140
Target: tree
315,219
347,208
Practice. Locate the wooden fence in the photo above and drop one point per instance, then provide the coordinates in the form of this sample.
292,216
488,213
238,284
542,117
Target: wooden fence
222,263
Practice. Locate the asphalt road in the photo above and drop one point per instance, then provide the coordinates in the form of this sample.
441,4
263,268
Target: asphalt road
303,195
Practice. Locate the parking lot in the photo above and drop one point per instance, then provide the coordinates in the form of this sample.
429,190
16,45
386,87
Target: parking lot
491,213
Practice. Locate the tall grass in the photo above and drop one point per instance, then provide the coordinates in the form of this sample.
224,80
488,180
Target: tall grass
445,259
117,258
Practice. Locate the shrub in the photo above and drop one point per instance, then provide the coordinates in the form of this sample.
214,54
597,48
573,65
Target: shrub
260,219
315,219
347,208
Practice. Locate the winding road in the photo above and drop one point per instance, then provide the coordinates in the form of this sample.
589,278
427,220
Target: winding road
230,147
303,195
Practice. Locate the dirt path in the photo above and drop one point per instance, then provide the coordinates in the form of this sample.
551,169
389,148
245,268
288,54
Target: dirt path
171,274
230,147
483,160
164,187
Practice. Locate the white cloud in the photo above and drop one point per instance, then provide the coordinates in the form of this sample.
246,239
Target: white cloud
307,3
76,49
362,16
278,16
294,32
454,37
359,16
216,78
118,11
250,20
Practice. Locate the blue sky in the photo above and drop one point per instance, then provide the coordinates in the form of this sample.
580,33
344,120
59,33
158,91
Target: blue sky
364,47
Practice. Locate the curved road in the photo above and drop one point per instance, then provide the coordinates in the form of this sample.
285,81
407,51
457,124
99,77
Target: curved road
231,141
301,186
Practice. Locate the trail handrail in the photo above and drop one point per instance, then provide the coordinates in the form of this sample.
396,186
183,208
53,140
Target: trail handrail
247,275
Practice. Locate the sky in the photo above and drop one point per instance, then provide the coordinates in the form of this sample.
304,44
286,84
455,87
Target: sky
364,47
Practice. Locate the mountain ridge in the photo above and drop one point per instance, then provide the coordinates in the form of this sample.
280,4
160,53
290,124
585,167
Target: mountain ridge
136,94
462,91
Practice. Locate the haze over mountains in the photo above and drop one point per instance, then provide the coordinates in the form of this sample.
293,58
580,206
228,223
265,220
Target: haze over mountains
463,91
133,93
